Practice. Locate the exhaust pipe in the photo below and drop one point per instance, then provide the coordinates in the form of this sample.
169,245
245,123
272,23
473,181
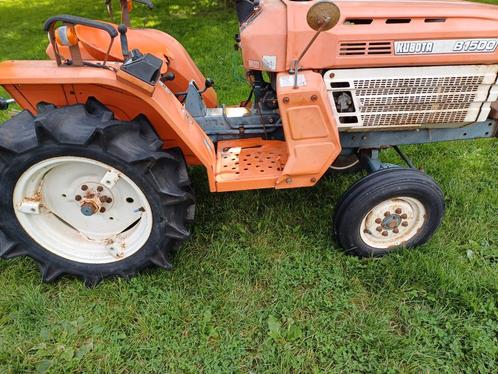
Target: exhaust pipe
4,103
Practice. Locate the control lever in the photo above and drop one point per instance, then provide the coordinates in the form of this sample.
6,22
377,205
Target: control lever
207,85
4,103
124,41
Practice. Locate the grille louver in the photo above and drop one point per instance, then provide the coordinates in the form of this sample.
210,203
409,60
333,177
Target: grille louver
365,48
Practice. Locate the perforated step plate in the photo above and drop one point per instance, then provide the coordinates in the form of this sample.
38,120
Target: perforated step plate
249,164
413,96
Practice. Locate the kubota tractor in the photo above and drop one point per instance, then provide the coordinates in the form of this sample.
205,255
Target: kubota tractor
94,175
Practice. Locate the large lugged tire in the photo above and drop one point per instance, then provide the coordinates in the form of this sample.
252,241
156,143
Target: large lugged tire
89,196
386,210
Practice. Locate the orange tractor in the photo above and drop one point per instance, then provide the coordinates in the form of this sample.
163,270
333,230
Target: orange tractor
94,175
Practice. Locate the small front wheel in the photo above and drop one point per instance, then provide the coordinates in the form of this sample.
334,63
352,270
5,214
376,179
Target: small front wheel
387,210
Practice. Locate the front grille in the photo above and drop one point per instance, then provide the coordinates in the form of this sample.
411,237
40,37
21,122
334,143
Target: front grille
389,97
412,118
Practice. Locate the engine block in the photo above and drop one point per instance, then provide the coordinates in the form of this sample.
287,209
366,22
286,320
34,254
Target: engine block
412,96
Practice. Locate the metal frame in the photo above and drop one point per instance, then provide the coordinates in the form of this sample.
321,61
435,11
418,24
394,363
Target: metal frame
386,139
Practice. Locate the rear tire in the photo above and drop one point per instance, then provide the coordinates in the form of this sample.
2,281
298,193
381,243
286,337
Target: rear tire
387,210
131,206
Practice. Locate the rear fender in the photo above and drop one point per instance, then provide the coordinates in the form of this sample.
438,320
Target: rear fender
33,82
94,44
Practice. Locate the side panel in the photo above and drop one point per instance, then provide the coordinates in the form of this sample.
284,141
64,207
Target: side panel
32,82
310,129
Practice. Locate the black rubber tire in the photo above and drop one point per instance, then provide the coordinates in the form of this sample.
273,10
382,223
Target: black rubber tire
380,186
132,147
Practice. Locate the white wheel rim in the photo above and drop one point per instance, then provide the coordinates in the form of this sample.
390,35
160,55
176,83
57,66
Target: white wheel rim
393,222
51,198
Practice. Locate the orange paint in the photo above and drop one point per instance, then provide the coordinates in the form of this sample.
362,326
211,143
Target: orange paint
94,44
310,129
290,33
32,82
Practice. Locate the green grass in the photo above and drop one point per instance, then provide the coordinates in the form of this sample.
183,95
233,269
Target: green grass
262,286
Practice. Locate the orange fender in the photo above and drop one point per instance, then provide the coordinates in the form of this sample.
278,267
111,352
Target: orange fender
32,82
94,43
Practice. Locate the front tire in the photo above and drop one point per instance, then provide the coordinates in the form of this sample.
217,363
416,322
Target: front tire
88,196
387,210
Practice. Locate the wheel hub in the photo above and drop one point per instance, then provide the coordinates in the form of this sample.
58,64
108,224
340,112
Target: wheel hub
89,209
94,198
393,222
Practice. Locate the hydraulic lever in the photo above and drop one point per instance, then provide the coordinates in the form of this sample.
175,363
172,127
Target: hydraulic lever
124,41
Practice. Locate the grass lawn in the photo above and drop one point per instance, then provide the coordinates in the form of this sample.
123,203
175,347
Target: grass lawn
262,286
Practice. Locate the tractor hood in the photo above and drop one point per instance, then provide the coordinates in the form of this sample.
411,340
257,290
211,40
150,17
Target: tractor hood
372,33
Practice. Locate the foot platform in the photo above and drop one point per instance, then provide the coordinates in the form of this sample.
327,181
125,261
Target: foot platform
248,164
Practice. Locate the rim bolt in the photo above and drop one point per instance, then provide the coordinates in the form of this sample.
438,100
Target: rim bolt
404,224
399,211
84,187
102,210
378,221
385,233
77,198
379,229
100,188
387,214
109,200
404,216
396,231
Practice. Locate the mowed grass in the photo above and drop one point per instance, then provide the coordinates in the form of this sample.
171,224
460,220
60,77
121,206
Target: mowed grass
262,286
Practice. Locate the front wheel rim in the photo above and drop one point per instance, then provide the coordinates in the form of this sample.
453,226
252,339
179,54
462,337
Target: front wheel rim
393,222
82,210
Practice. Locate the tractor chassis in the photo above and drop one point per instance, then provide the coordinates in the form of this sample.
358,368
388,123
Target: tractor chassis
228,123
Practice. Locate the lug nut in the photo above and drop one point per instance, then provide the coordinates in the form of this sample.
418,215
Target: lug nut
398,211
378,221
387,214
109,200
404,224
102,210
379,229
404,216
77,198
385,233
100,188
84,187
396,231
